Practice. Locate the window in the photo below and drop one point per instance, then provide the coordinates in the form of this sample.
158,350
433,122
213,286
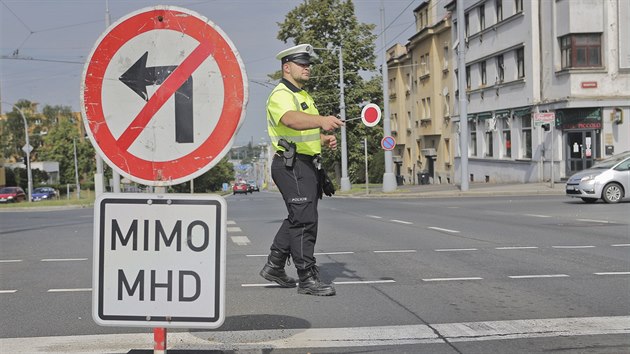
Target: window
409,125
520,62
428,107
467,29
500,68
483,72
423,65
424,109
489,144
526,142
468,77
447,105
498,5
506,134
428,66
482,17
518,5
445,62
581,50
472,142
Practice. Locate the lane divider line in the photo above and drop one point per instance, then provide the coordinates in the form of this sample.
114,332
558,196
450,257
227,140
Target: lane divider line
401,222
8,291
352,282
374,216
455,249
443,230
451,279
572,247
240,240
621,245
234,229
532,276
63,259
612,273
69,290
597,221
396,251
538,215
331,253
10,260
516,248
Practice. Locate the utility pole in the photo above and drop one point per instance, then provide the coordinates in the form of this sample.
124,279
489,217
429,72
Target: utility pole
345,180
389,180
76,168
463,103
27,149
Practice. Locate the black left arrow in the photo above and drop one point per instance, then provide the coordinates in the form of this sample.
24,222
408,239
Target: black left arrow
139,76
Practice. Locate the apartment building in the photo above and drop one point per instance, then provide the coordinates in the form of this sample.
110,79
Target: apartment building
567,57
421,91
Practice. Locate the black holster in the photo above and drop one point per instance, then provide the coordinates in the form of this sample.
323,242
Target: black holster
289,153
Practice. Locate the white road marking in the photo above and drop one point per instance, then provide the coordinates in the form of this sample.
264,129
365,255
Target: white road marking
621,245
538,215
401,222
63,259
455,249
452,279
374,216
592,220
331,253
7,291
69,290
516,248
572,247
396,251
10,260
234,229
443,230
612,273
256,255
364,282
329,337
230,222
240,240
537,276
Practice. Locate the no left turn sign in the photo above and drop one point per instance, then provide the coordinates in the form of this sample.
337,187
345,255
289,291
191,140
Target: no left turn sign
163,94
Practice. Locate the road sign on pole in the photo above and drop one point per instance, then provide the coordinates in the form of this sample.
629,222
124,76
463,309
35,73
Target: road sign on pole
163,94
159,260
388,143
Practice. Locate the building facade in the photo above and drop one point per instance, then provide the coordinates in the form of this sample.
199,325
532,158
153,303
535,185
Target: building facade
421,87
566,57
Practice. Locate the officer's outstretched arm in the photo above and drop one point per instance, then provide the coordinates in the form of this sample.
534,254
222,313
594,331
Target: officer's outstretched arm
303,121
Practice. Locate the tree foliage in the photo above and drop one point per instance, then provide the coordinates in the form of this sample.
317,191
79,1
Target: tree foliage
332,24
211,181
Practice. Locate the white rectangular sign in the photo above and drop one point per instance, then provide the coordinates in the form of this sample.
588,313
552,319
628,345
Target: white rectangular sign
544,118
159,260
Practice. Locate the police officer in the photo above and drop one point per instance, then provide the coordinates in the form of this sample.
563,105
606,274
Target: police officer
292,117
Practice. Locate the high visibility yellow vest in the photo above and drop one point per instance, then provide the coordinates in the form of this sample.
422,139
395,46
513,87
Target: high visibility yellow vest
287,97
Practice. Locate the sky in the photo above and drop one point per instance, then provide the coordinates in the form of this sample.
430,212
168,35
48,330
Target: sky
53,39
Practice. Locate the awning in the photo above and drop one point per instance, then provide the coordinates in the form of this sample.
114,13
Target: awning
504,113
484,115
519,112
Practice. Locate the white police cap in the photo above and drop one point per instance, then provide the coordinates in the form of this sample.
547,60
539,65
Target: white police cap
301,54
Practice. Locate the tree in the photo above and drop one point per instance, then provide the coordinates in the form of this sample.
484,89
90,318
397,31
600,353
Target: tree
12,137
210,181
59,146
331,24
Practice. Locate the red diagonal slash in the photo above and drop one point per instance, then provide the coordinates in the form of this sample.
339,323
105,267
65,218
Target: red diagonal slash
163,93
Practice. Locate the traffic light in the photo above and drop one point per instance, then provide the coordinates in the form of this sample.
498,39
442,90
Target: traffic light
546,127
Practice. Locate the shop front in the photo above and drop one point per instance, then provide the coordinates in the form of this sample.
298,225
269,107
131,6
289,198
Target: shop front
581,129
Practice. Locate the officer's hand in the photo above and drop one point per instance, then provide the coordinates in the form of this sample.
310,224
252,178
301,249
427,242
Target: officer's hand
329,141
329,123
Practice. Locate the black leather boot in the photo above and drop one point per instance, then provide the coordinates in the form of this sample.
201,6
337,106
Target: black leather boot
274,270
311,285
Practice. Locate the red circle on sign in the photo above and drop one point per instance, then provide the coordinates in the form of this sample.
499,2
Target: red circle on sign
371,114
211,43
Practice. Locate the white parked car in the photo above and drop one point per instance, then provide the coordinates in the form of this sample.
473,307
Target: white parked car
608,179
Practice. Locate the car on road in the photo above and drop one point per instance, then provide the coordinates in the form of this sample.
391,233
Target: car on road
43,193
253,187
12,195
240,188
608,179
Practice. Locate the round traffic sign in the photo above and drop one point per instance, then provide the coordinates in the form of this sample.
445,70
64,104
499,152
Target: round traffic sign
388,143
163,94
371,114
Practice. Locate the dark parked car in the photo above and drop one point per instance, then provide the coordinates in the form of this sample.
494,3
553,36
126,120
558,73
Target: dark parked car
253,187
608,179
43,193
240,188
12,195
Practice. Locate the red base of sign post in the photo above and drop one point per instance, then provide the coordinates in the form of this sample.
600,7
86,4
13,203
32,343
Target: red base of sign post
159,340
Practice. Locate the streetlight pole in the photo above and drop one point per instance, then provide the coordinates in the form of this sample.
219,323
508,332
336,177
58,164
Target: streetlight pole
389,179
27,149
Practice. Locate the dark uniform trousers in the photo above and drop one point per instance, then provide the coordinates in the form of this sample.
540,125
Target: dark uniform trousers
298,232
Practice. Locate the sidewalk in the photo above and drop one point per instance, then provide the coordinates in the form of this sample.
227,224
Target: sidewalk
476,189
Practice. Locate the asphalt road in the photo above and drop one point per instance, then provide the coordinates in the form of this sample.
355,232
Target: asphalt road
448,275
